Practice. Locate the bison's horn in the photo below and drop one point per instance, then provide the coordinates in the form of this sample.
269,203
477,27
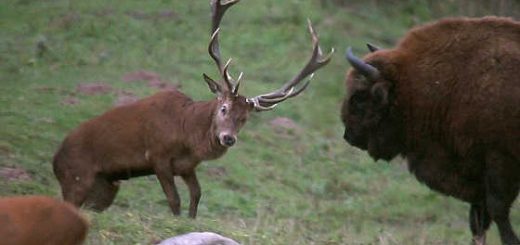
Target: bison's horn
372,47
361,66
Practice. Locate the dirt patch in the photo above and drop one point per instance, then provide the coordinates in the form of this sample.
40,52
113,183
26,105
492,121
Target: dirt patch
65,21
69,100
154,80
141,76
93,88
5,149
14,174
51,90
125,98
285,126
162,85
217,172
46,89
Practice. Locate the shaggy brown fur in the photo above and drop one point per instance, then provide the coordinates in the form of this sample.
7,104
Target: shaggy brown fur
165,134
28,220
448,99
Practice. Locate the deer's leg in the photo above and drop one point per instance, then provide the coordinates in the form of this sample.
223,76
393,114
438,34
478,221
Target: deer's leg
479,222
164,173
193,184
102,194
502,185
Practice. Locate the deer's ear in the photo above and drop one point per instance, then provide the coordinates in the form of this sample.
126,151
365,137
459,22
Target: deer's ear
213,86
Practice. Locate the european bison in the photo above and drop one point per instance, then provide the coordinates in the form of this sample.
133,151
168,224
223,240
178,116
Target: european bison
447,98
165,134
40,220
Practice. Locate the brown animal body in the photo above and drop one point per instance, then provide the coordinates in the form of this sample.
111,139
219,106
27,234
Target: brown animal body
448,99
40,220
167,134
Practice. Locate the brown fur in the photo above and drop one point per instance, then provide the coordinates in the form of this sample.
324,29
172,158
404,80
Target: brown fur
447,99
165,134
28,220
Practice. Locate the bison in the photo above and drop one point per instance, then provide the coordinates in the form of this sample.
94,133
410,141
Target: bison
447,98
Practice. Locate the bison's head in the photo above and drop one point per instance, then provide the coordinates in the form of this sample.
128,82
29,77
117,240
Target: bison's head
369,112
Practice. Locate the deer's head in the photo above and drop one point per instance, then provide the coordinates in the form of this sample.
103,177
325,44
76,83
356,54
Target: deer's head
232,110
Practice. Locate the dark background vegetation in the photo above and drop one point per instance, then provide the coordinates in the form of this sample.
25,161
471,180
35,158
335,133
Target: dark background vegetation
290,180
441,8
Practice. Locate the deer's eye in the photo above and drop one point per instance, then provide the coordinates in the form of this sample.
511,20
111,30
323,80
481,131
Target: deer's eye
223,110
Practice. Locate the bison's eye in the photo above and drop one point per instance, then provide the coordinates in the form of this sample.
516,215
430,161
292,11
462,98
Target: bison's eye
358,103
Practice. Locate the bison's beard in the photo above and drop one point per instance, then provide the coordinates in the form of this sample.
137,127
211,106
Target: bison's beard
381,147
380,152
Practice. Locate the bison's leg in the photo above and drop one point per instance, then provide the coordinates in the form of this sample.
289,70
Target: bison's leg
479,222
164,173
102,194
502,185
194,187
499,211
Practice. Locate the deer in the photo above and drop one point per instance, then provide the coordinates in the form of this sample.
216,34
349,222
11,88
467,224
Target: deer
167,134
33,219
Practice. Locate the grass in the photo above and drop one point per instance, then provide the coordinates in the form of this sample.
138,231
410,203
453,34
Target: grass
305,187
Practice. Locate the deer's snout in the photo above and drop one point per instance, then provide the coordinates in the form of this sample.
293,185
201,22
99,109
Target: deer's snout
227,140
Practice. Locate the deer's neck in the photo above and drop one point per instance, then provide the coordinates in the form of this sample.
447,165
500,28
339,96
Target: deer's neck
201,134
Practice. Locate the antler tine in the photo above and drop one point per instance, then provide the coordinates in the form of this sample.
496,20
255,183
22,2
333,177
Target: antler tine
237,84
271,103
227,77
232,84
316,61
218,8
289,94
214,50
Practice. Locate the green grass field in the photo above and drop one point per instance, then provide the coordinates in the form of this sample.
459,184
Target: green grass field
302,185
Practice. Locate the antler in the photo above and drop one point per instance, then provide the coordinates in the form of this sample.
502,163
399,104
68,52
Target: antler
268,101
218,8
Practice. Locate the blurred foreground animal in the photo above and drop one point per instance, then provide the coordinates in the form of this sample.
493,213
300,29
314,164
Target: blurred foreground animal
199,238
165,134
40,220
447,98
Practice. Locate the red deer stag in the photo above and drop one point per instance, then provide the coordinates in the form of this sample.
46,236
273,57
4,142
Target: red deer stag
448,99
167,134
40,220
